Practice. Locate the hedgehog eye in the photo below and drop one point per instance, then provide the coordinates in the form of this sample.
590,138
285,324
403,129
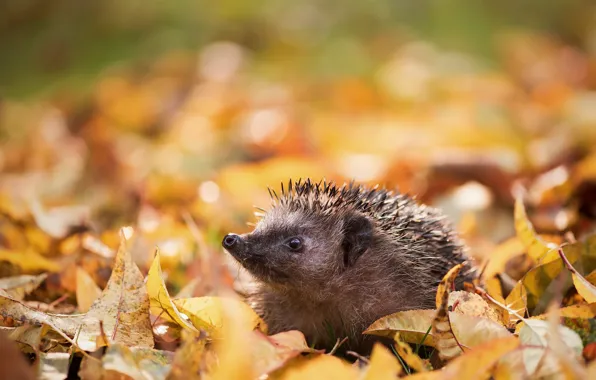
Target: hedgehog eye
295,244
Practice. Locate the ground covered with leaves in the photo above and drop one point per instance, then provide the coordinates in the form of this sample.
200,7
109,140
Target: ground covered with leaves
113,206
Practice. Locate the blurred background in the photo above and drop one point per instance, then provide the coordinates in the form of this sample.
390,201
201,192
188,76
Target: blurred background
163,113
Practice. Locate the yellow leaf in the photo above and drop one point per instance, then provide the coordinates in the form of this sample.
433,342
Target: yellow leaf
583,286
412,359
536,246
270,353
160,302
582,311
233,361
87,290
19,286
412,326
446,284
383,365
445,341
477,363
319,367
207,313
189,359
29,260
501,255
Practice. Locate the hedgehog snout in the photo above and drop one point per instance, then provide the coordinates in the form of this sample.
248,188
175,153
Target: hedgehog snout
231,241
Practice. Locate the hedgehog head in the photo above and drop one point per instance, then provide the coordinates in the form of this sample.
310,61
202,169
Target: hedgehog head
311,232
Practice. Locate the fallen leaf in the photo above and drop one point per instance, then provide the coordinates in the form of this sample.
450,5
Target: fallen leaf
189,360
29,260
471,331
445,285
207,313
537,248
583,286
60,222
136,363
563,346
123,306
471,304
412,326
445,340
270,353
318,367
410,357
534,333
53,366
87,291
161,304
383,365
477,363
19,286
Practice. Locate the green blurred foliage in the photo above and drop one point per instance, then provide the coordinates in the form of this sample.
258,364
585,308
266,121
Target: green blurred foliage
56,44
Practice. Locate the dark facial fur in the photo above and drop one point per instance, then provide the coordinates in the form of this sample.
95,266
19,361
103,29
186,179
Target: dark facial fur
331,260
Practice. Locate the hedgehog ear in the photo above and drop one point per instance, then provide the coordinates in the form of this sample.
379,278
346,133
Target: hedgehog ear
357,237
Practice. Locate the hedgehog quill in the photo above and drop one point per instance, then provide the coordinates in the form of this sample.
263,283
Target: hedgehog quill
330,260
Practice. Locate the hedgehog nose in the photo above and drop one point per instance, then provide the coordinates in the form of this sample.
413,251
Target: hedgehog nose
230,241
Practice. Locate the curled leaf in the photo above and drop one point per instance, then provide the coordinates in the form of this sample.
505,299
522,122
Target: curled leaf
445,341
159,299
537,248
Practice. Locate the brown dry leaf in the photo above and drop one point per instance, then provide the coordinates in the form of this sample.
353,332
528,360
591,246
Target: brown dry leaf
161,304
583,286
208,313
410,357
412,326
19,286
124,304
87,291
318,367
29,260
383,365
445,341
536,246
68,325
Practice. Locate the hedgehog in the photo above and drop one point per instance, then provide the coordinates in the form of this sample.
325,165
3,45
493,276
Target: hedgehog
329,260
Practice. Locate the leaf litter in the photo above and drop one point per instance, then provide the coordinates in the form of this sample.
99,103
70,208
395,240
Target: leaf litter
530,315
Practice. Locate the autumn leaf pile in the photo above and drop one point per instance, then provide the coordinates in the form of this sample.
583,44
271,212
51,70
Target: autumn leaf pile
113,206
